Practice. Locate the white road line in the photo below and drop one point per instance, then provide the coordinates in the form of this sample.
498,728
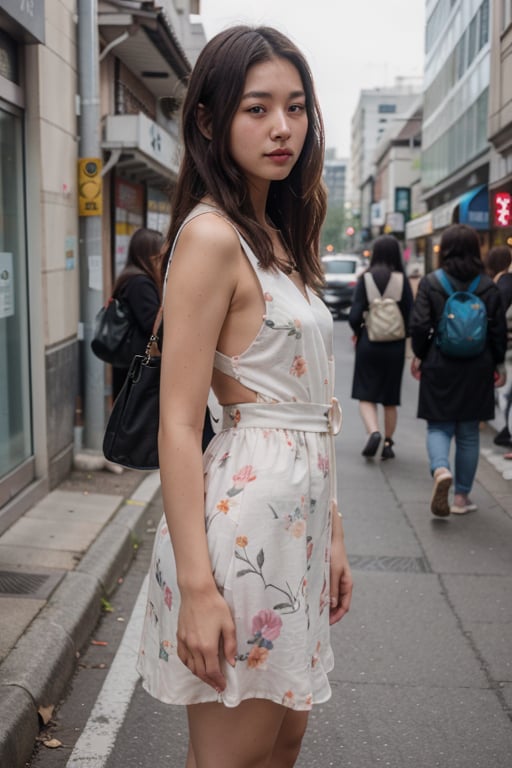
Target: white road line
99,735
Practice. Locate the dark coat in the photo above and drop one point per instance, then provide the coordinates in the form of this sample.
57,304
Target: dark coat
140,293
459,389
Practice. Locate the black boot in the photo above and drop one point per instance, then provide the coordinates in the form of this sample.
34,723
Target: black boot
387,450
371,446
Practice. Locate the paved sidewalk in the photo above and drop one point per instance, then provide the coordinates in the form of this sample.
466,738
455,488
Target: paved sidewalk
57,562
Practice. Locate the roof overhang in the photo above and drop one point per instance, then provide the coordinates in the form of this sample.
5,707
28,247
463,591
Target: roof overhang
151,50
141,150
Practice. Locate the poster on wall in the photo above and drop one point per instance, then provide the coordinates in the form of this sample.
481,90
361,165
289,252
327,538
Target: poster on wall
129,199
6,285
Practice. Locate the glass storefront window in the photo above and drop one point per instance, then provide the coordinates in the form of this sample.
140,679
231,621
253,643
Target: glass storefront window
15,416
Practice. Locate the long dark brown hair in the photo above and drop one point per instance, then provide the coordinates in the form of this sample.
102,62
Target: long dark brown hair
459,252
295,205
142,258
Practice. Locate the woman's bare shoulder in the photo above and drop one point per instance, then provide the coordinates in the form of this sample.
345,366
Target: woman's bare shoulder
210,231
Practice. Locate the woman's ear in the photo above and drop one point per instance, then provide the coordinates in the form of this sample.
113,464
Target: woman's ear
204,121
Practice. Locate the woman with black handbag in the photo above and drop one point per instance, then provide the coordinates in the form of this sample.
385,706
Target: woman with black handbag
137,289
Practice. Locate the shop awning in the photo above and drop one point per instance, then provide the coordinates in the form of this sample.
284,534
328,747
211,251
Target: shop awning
474,208
419,227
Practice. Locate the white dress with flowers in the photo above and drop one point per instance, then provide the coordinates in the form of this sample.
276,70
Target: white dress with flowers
267,515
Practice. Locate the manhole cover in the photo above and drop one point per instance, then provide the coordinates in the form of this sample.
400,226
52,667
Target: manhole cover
388,563
28,584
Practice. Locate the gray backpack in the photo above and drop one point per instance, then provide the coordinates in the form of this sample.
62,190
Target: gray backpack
383,320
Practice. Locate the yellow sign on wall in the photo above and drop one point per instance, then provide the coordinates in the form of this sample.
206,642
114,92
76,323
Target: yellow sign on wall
90,191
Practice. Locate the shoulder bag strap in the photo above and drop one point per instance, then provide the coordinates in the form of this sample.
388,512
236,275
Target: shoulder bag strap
394,287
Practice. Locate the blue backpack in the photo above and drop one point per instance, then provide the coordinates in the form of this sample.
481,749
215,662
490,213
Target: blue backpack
462,329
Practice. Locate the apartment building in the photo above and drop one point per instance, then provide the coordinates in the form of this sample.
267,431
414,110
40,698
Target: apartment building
145,51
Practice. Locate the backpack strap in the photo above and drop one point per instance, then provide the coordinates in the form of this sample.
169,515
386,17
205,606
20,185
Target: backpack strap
393,289
372,292
474,284
445,283
448,287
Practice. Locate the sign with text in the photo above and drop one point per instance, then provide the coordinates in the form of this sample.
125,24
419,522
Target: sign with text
502,209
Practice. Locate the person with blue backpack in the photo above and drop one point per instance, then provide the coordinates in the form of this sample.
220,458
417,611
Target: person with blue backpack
458,337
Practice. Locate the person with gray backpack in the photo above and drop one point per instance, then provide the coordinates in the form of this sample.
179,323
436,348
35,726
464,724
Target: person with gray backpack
379,317
458,336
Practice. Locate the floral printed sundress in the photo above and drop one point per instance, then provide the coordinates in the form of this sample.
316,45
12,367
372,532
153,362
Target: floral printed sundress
269,485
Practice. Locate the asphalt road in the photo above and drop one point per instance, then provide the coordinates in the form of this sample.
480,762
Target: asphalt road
423,674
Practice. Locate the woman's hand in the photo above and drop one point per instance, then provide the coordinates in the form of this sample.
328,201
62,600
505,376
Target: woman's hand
341,583
206,635
416,368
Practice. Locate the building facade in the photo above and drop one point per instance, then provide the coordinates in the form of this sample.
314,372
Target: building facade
377,109
455,150
500,124
145,52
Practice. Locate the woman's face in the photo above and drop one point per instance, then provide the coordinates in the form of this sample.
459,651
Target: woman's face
270,125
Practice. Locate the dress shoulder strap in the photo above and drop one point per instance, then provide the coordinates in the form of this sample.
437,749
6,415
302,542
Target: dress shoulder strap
199,210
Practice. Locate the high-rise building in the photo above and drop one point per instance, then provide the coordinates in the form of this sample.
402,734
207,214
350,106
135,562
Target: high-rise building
377,108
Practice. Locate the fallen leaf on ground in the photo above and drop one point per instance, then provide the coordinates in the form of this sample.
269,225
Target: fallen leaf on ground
45,713
52,743
99,642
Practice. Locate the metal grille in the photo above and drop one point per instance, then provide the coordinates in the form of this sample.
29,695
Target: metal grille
388,563
23,584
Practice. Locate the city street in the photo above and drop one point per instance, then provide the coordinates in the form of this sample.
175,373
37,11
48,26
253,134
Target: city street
423,674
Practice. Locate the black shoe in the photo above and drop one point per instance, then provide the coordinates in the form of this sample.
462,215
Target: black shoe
387,450
503,438
373,443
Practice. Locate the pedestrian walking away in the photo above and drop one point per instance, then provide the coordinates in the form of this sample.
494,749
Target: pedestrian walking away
380,344
137,287
456,392
249,566
497,265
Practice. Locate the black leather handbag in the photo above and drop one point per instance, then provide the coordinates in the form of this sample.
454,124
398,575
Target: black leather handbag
112,333
131,436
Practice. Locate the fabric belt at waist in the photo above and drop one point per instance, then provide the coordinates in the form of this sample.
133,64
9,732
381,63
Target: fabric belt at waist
304,417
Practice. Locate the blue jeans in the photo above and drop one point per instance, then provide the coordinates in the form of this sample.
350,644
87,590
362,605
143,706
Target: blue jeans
467,449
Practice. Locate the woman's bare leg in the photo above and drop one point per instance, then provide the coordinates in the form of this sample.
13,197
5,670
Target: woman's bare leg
390,419
369,416
256,734
289,739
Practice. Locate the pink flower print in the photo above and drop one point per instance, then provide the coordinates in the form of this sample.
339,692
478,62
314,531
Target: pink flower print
323,464
168,597
267,625
309,548
324,597
316,656
223,506
268,296
297,528
308,701
299,366
242,541
257,657
223,459
288,699
164,530
244,476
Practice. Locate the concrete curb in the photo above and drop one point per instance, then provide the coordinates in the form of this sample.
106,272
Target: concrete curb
39,668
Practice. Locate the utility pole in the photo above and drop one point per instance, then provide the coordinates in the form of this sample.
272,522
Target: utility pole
89,192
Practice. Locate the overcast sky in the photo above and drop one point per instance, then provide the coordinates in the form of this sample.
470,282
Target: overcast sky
350,45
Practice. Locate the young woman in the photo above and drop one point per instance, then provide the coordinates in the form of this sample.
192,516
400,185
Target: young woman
456,393
249,565
138,287
379,364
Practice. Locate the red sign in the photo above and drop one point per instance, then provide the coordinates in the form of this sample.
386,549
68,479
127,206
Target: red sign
502,209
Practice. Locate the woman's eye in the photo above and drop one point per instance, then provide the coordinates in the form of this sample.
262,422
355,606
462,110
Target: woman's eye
256,110
297,108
